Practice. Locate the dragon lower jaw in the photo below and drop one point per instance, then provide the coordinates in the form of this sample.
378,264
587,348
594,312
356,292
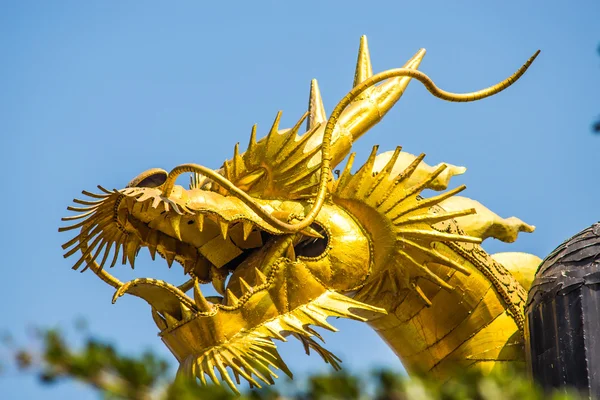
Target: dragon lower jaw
251,353
237,338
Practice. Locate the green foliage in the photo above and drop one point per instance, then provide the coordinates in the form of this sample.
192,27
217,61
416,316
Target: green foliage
118,376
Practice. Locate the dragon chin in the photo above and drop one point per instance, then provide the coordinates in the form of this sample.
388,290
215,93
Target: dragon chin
271,294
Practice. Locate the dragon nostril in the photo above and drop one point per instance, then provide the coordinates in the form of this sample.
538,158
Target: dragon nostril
312,247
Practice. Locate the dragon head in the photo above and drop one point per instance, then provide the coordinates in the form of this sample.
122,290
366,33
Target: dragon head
285,242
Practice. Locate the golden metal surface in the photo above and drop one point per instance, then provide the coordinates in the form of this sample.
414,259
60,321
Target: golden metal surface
288,245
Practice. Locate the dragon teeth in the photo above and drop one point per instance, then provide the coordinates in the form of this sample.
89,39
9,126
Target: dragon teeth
175,222
224,225
188,266
247,227
152,243
170,257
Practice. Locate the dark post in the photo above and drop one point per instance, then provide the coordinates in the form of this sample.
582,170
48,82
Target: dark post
563,316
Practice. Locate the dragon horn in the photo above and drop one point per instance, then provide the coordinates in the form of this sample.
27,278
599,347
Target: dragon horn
375,102
316,110
370,107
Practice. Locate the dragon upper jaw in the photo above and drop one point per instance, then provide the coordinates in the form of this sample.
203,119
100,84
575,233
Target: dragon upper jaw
271,295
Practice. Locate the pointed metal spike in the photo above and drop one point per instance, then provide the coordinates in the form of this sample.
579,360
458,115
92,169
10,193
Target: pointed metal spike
132,248
297,165
227,171
247,227
358,185
260,278
78,216
372,156
116,253
245,287
316,110
152,243
170,257
364,70
438,257
106,253
424,271
274,128
236,150
234,161
421,185
289,144
95,195
158,320
224,226
152,251
171,320
175,222
201,302
231,299
225,375
252,143
407,173
88,203
186,313
296,128
346,174
385,172
188,266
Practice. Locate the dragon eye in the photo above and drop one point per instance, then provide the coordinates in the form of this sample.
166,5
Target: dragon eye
312,247
151,178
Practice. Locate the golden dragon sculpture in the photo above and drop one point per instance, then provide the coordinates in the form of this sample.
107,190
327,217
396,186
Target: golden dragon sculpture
288,242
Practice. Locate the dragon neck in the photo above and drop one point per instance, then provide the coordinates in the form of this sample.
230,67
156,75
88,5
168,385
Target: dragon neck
473,325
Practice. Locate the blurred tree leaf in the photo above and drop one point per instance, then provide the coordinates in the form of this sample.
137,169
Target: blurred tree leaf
146,377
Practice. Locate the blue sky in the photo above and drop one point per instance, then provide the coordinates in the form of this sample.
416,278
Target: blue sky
96,92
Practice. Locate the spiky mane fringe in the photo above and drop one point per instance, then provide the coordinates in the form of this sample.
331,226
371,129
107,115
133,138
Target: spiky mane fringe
252,354
411,218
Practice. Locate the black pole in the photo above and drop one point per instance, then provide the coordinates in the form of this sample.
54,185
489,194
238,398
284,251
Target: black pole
563,316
